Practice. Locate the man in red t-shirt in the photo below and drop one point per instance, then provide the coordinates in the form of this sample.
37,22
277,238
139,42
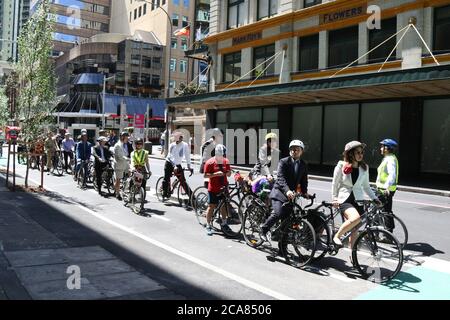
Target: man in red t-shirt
217,169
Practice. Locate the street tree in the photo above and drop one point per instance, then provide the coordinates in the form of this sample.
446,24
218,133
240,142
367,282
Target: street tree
37,81
4,108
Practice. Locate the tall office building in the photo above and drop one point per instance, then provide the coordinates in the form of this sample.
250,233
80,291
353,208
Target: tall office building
77,21
13,15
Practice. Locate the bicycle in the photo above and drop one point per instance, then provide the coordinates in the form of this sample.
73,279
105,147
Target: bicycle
176,185
231,208
81,177
367,245
295,235
107,179
133,193
58,163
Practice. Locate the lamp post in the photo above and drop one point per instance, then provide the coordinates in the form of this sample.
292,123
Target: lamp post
104,102
169,45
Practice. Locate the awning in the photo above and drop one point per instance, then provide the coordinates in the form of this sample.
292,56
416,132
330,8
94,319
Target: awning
89,78
135,105
425,81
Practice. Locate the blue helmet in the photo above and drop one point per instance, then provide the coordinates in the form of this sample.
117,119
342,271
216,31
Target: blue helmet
389,143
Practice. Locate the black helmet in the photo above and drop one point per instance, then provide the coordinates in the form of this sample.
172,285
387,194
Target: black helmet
124,134
139,141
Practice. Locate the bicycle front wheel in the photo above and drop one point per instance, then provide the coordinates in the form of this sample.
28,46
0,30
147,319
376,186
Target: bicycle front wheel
201,207
252,218
137,199
396,226
199,190
159,190
59,167
182,195
298,244
377,255
233,221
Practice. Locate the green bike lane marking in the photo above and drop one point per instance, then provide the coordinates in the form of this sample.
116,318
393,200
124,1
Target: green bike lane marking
430,281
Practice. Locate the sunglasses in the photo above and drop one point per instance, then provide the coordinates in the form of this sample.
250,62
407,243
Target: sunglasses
359,152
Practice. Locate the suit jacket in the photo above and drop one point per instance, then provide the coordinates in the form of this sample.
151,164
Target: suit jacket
83,151
98,155
121,161
286,179
343,186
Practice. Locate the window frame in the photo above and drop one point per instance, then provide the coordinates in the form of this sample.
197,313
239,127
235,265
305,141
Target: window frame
236,3
300,52
254,58
435,13
269,9
313,3
234,62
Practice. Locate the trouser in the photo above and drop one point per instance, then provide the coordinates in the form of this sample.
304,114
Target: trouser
99,168
67,154
279,212
85,167
168,169
50,155
388,220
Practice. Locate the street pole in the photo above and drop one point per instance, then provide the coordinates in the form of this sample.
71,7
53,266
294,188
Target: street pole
169,45
104,102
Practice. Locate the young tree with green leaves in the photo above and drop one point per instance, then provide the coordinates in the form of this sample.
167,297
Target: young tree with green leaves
37,81
4,108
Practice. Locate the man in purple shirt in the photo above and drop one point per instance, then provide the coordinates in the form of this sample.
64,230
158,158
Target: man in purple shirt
67,147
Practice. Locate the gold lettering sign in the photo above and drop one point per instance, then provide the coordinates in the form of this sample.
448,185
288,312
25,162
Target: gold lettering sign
343,14
247,38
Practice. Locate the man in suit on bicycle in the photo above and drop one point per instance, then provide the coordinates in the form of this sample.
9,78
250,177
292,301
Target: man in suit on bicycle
84,151
102,156
292,178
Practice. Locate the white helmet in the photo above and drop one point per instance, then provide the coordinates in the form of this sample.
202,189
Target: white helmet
220,150
296,143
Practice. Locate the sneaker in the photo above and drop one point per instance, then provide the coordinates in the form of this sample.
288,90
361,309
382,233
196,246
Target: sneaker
119,197
209,230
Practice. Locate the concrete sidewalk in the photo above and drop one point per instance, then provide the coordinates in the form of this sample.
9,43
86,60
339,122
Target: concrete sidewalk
196,160
39,260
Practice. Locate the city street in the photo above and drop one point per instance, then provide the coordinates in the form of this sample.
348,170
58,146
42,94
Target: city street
169,246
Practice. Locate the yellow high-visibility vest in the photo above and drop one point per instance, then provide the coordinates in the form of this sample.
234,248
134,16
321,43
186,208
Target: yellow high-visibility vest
140,157
383,174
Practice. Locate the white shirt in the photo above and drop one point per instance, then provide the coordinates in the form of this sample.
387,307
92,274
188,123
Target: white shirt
177,152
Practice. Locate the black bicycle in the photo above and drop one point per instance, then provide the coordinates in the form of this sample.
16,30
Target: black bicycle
107,179
295,235
376,253
82,176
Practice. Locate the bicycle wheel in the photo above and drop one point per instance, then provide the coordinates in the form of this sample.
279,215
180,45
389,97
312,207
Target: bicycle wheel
252,218
91,175
196,193
201,207
375,260
108,177
182,195
137,199
323,240
234,222
400,231
298,244
81,177
159,190
245,203
58,166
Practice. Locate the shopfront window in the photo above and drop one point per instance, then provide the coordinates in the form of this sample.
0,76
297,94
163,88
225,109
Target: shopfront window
436,136
377,36
307,127
441,29
343,46
340,127
378,121
309,53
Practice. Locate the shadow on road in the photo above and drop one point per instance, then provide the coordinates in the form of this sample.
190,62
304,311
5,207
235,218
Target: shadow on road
424,248
401,280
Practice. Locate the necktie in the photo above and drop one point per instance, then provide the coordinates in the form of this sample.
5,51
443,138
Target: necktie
296,167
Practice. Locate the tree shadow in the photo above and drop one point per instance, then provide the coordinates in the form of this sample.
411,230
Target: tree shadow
149,212
67,200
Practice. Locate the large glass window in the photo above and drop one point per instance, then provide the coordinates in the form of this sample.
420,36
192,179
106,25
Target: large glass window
184,45
246,116
91,7
175,18
441,29
340,127
183,66
231,66
260,56
185,21
309,53
155,79
173,65
307,127
436,136
236,13
377,36
267,8
378,121
222,117
173,43
310,3
343,46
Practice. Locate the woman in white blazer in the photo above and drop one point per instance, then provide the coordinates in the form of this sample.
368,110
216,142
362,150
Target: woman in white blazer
350,182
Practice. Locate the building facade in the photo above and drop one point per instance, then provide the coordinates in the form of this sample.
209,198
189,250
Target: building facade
329,72
13,15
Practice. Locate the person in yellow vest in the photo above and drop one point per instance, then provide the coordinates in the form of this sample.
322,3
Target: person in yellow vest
140,160
387,178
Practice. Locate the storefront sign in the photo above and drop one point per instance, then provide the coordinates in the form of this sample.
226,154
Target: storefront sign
343,14
247,38
139,121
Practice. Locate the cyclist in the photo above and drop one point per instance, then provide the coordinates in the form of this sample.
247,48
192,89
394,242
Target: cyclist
268,157
350,182
140,160
84,151
67,145
122,152
102,156
292,178
217,169
50,149
387,178
177,151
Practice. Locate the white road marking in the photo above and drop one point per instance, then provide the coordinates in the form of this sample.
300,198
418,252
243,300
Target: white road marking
195,260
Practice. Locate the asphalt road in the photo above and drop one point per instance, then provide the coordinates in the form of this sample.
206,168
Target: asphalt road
192,264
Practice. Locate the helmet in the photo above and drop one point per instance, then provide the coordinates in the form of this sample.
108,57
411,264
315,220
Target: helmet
390,143
139,141
124,134
296,143
220,150
271,136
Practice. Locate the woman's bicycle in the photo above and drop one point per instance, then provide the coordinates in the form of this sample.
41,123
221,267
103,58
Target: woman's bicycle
175,186
107,179
133,193
295,235
226,206
376,253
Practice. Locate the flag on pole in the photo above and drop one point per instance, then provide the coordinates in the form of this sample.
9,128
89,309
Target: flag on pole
182,32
